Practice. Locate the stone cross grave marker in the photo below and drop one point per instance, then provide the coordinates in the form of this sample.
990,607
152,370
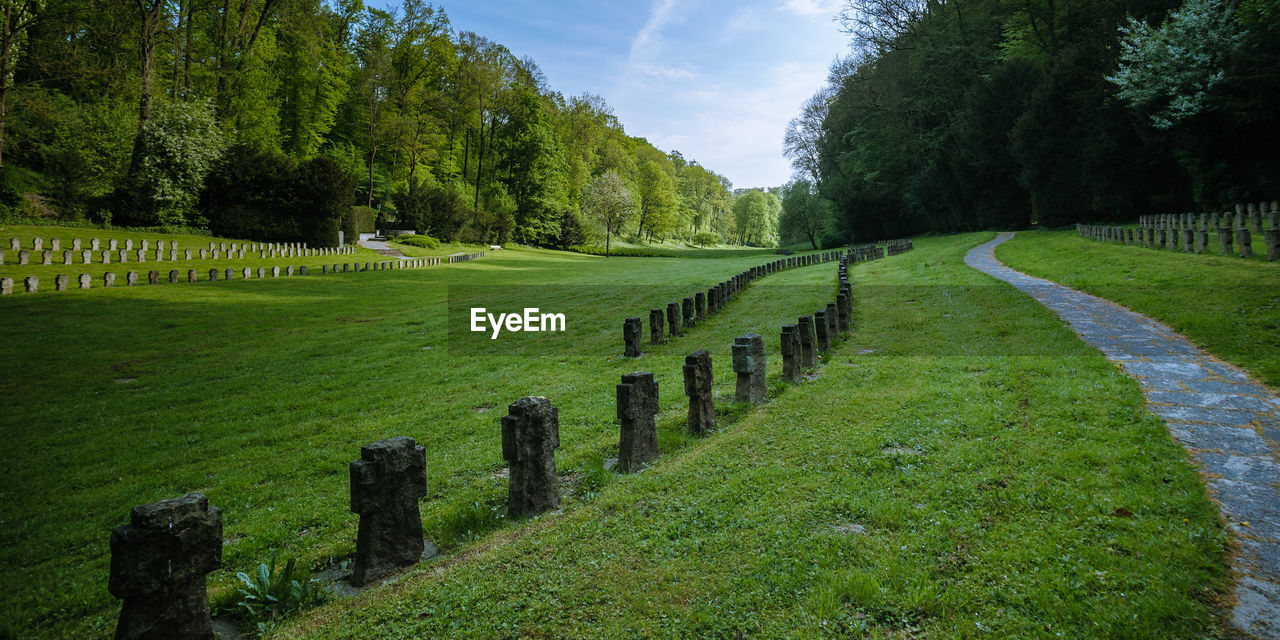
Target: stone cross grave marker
158,566
530,437
698,385
749,364
386,484
637,410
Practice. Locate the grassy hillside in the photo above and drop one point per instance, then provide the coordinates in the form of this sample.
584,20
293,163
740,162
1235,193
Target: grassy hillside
963,468
259,394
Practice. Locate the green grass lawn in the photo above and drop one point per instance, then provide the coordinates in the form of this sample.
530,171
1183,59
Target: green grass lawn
445,248
1227,305
962,467
260,393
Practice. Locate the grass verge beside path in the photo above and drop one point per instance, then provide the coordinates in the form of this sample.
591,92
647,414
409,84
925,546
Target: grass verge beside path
260,393
965,467
1229,306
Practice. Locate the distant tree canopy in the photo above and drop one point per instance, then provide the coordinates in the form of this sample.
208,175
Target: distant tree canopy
216,113
974,114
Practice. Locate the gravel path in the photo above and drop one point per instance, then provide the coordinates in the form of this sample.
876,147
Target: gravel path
1229,423
382,248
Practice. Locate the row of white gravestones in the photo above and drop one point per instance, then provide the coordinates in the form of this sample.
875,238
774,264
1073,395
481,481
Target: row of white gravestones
107,256
32,283
95,244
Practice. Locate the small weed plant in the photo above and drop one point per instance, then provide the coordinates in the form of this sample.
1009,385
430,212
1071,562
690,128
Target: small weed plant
269,595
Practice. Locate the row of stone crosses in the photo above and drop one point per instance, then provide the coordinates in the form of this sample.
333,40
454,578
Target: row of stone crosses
1189,232
61,281
160,559
679,316
121,253
85,281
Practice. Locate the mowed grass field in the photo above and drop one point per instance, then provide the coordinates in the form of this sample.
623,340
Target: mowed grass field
961,467
1227,305
259,393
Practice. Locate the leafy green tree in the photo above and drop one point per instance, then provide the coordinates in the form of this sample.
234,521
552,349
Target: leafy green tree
608,201
534,165
177,147
1170,71
704,238
755,214
805,215
657,198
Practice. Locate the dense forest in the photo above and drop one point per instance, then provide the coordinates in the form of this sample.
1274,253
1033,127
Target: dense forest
270,119
974,114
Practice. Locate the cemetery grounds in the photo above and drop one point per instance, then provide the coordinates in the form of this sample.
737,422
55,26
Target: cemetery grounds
961,466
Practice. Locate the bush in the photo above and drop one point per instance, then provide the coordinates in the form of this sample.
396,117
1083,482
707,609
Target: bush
624,252
426,242
179,146
247,195
435,209
322,194
262,195
704,238
357,221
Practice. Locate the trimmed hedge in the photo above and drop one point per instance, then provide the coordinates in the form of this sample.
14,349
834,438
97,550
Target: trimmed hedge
426,242
357,221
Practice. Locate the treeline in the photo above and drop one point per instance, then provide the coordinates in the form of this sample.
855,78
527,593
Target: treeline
974,114
270,118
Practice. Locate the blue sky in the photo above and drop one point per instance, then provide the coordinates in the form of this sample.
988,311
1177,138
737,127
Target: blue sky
716,80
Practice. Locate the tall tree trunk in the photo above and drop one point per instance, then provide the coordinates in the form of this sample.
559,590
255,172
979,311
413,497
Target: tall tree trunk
6,50
373,138
220,85
186,54
177,51
147,50
479,163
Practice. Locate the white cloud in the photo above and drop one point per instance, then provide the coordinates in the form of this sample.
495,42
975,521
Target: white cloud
648,41
725,100
682,71
743,21
812,7
737,129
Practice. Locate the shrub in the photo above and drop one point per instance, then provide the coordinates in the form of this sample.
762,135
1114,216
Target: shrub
357,221
247,194
322,194
704,238
178,147
426,242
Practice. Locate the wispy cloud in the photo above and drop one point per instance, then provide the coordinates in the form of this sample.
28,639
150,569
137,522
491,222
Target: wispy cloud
648,41
812,7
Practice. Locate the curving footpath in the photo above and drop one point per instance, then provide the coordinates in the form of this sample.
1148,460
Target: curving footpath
1229,424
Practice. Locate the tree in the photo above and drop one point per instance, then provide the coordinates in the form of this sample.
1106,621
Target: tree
535,171
608,200
657,198
1169,71
804,214
704,238
802,141
755,214
177,147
